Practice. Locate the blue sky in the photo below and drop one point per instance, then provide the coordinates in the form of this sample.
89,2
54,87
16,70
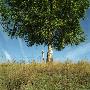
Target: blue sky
17,49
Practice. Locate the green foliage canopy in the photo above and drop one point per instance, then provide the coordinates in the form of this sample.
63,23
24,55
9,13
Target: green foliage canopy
55,22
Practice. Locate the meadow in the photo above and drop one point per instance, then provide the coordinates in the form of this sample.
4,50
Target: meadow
41,76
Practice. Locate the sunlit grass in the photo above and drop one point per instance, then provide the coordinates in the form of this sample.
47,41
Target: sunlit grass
50,76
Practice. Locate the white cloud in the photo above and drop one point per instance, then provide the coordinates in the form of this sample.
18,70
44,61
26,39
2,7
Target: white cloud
78,51
7,55
21,48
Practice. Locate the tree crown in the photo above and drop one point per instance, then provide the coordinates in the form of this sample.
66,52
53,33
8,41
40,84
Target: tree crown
55,22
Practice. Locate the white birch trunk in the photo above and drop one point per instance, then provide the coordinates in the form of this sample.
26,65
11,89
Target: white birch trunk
49,54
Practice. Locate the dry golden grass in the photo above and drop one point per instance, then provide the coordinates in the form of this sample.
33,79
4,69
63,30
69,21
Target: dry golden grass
50,76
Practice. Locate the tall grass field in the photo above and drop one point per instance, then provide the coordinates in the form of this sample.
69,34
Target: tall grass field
41,76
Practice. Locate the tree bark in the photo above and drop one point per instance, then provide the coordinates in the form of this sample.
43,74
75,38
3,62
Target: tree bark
49,54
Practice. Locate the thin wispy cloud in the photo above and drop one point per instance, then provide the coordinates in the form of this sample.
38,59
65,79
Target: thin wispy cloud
21,48
78,51
7,55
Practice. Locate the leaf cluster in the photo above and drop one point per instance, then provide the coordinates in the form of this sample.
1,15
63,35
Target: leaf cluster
55,22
